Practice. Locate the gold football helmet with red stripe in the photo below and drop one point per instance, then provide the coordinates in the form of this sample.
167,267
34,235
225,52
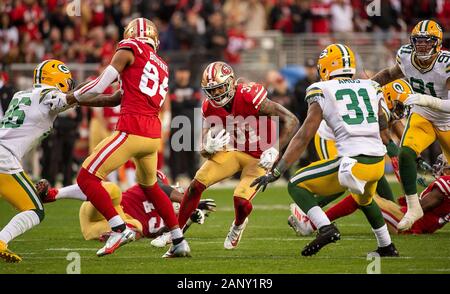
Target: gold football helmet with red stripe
144,30
218,83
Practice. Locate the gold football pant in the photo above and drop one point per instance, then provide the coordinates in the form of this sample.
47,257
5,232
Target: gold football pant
420,133
92,222
325,149
117,149
321,177
20,192
225,164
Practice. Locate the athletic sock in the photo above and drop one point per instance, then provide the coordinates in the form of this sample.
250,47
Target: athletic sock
302,197
344,207
408,170
18,225
162,204
373,215
176,236
412,201
71,192
318,217
384,189
96,194
190,201
242,209
117,224
382,235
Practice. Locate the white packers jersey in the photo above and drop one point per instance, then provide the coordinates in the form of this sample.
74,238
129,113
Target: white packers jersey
350,109
431,81
325,132
26,120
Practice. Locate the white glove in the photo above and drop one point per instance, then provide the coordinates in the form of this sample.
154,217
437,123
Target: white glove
268,158
423,100
56,100
215,144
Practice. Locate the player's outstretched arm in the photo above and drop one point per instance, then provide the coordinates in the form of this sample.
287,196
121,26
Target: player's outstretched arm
120,60
388,75
295,148
290,121
103,100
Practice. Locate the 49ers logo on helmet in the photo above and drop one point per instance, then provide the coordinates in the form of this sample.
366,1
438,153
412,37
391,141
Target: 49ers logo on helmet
226,70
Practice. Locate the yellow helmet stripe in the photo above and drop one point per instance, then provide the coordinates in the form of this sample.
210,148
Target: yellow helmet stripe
38,77
345,55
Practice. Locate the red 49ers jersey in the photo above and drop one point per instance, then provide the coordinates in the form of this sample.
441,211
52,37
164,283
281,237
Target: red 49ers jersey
250,132
438,216
144,86
138,207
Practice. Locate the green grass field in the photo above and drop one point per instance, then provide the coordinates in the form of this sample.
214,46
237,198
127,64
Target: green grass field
268,245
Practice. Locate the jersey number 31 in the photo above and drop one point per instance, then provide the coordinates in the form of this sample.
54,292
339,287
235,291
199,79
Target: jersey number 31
355,105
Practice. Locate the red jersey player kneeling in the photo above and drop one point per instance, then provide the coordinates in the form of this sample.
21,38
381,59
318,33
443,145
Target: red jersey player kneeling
435,202
244,140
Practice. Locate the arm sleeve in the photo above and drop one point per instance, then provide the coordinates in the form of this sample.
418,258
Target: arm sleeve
97,86
315,94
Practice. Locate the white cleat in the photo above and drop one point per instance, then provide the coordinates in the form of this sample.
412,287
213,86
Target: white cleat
301,227
161,241
299,221
410,217
180,250
116,240
234,235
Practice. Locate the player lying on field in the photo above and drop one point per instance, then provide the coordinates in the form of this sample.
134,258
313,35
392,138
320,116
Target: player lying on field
434,200
131,205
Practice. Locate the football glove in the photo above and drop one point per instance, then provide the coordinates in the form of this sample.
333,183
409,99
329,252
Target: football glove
207,206
423,165
215,144
263,181
56,100
268,158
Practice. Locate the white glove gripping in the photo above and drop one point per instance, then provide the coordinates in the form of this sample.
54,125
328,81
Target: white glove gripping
347,179
56,100
215,144
97,86
428,101
268,158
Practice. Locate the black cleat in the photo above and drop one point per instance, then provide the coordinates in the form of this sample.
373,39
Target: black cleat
326,234
387,251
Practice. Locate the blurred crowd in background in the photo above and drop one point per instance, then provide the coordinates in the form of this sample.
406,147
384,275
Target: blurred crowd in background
35,30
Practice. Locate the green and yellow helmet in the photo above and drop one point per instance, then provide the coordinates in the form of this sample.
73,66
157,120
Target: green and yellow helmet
336,59
395,93
54,73
426,39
